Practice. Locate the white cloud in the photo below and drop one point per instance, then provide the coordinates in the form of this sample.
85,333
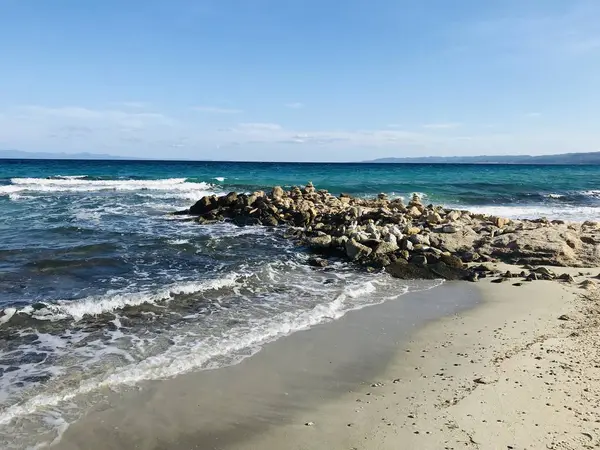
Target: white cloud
216,110
153,134
442,126
295,105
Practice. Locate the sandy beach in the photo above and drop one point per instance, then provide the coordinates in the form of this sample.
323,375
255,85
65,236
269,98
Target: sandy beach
491,366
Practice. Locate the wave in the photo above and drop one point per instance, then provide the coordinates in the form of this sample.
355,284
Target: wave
78,184
561,212
184,357
113,301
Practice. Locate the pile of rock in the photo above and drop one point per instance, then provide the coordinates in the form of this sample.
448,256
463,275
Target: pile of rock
410,241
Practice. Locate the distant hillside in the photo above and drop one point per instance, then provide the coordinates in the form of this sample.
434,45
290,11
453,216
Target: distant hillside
17,154
566,158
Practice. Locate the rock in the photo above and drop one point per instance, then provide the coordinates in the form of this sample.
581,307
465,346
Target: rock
412,230
382,196
270,221
407,245
453,216
413,211
472,277
470,256
204,205
566,277
277,192
385,247
403,270
320,241
309,424
564,317
588,284
499,280
452,261
228,200
441,270
318,262
532,277
433,218
415,200
449,229
419,260
544,271
356,250
500,222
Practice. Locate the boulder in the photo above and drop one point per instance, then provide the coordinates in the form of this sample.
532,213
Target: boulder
418,260
356,250
323,241
403,270
385,247
204,205
277,192
449,229
228,200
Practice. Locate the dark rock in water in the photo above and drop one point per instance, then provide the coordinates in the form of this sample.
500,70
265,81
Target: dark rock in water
204,205
564,317
318,262
270,221
11,369
405,271
243,221
323,241
36,378
228,200
532,277
499,280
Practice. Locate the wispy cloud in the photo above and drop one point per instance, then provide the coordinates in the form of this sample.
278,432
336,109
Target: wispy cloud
216,110
294,105
442,125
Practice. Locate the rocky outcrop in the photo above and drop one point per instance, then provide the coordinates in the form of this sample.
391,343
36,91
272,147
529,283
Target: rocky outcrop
410,241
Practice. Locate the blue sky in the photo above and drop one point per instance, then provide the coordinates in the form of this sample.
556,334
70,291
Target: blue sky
300,79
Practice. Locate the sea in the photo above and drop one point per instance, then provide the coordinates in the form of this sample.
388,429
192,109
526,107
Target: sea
102,289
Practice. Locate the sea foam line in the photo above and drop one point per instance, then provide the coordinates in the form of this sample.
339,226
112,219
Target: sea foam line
113,301
184,359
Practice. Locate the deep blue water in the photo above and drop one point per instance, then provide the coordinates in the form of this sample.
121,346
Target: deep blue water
97,279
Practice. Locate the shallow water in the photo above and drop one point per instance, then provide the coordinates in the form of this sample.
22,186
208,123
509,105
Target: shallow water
101,289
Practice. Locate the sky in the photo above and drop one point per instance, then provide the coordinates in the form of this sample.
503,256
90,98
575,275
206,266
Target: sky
300,80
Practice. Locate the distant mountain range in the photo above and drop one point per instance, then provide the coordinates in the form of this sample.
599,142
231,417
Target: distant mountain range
565,158
17,154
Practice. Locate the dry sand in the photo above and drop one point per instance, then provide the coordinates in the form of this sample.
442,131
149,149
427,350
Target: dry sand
509,374
521,370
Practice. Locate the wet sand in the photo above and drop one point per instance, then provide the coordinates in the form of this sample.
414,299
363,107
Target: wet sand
480,366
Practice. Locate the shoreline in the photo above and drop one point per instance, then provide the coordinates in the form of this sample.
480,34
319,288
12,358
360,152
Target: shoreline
480,378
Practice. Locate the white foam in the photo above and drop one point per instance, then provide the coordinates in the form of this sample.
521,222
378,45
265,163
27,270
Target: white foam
563,212
112,301
69,184
196,354
555,196
221,179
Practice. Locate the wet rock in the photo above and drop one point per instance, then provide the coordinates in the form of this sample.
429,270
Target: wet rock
323,241
564,317
419,260
356,250
204,205
385,248
228,200
318,262
403,270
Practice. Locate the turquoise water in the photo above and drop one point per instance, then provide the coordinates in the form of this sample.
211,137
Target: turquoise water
101,287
